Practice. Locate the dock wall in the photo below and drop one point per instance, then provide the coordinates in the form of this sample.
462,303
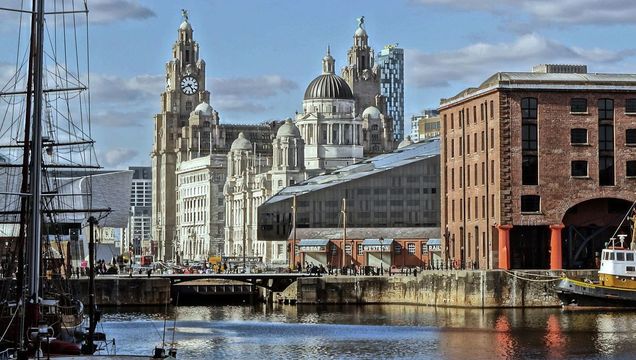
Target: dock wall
453,288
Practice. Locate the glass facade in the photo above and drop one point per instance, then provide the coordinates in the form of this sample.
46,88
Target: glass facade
391,62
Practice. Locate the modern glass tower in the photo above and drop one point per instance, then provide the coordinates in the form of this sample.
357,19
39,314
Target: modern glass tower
391,62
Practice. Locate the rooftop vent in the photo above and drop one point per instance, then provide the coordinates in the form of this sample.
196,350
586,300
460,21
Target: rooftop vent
559,69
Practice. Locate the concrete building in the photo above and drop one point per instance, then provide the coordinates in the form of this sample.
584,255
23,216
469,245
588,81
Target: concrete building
425,126
395,190
137,236
200,208
186,128
391,61
538,168
363,77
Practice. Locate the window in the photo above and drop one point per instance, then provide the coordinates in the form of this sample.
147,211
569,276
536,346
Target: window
529,137
411,248
529,108
578,136
530,203
397,249
630,136
606,137
530,173
579,168
606,170
620,256
578,105
606,109
630,106
359,249
348,249
630,168
334,249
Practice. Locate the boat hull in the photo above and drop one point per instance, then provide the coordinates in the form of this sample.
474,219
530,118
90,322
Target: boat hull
575,294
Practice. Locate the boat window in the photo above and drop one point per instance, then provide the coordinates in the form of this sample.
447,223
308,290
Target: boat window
605,256
630,268
630,256
611,256
620,256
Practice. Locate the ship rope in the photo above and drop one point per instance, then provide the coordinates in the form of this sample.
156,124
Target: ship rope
524,276
10,322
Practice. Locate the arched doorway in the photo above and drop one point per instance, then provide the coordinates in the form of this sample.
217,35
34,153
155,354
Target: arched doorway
588,227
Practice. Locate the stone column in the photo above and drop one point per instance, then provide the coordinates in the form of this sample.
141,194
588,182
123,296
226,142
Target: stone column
504,246
556,259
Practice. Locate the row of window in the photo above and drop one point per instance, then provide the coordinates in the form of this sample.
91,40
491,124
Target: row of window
579,168
606,109
473,208
464,114
476,175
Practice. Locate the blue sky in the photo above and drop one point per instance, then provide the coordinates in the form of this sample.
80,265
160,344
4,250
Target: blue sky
260,55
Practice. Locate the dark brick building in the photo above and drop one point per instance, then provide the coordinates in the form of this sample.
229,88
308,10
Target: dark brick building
538,168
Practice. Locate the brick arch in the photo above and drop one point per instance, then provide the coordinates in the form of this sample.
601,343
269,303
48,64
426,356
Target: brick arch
569,204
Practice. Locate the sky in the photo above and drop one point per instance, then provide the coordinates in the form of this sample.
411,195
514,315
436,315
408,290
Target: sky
261,54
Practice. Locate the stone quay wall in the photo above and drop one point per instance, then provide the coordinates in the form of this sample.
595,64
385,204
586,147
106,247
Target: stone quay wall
116,291
452,288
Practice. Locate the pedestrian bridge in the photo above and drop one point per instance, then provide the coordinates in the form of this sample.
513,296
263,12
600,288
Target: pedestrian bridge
272,281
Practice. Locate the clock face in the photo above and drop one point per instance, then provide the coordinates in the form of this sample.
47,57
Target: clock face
189,85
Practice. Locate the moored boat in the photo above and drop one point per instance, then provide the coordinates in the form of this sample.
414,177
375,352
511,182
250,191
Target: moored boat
616,285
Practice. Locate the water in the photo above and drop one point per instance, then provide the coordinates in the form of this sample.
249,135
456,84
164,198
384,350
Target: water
375,332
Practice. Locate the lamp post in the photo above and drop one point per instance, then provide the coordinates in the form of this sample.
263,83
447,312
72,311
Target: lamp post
381,239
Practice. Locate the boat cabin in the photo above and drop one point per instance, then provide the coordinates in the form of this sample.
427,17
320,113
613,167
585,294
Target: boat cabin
618,266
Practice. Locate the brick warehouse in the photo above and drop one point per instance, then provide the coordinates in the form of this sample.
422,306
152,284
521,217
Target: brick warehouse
538,169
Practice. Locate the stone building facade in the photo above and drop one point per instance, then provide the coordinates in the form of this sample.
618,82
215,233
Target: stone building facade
363,77
187,128
538,168
250,182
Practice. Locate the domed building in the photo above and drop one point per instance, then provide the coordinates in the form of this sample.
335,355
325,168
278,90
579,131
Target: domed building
333,136
251,180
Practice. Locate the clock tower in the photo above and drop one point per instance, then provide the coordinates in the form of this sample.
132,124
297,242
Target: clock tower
185,89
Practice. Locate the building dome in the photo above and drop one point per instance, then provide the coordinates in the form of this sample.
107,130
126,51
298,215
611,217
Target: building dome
288,129
405,142
360,32
372,112
328,86
185,25
204,109
241,143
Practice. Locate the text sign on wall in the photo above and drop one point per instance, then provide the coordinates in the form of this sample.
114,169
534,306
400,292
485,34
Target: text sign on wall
434,247
386,248
313,248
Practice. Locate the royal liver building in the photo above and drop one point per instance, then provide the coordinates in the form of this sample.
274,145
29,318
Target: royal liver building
189,158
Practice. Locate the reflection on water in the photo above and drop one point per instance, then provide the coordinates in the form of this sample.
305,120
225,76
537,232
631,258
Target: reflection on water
374,332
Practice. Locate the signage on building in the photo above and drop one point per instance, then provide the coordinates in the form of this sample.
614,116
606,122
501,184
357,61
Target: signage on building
376,248
239,259
313,248
437,247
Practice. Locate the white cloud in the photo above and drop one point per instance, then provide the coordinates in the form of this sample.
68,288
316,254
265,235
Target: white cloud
561,12
247,94
117,157
108,11
134,90
479,60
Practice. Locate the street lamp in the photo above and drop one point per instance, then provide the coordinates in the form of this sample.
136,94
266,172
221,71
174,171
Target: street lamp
381,239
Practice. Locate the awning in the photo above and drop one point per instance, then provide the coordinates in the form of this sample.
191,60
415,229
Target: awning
314,242
375,245
313,245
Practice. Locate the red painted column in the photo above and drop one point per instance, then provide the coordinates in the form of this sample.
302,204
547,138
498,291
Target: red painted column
556,259
504,246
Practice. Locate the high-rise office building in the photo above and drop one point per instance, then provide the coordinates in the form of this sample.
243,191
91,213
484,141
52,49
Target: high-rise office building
391,61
